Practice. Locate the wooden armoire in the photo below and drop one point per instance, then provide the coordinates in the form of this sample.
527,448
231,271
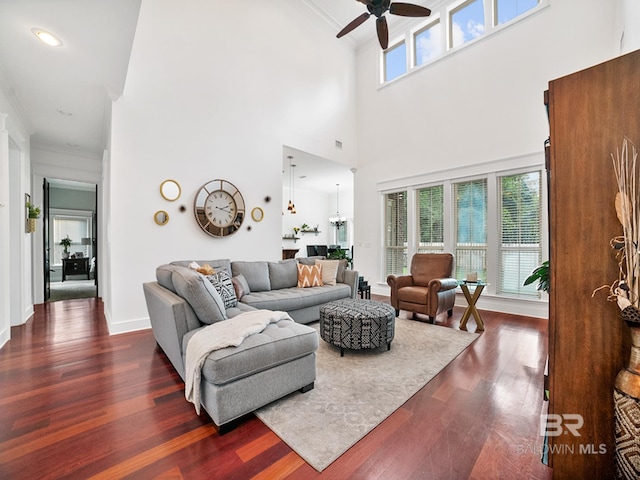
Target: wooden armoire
590,112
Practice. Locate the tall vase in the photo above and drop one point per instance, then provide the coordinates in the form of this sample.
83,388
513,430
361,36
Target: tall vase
626,399
31,225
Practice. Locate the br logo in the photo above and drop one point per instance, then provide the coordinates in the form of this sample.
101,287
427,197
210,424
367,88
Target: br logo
555,425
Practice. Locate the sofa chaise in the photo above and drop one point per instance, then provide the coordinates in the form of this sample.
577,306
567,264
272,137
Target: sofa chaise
264,367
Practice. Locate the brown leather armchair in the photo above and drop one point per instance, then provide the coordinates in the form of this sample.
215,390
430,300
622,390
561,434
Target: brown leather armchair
429,289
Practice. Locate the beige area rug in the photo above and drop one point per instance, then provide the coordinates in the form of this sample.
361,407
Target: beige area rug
354,393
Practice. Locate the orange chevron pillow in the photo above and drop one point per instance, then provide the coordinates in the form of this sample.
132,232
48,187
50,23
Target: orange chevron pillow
309,276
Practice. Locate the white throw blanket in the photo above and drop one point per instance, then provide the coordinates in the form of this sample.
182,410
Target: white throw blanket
228,333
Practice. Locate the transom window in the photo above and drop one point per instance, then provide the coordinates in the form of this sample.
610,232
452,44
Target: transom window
452,26
466,22
428,43
395,61
506,10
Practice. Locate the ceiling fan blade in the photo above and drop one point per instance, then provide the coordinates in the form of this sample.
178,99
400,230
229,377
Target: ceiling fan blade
408,10
383,32
353,24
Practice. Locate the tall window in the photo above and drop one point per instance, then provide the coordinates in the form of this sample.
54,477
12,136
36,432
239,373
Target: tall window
470,215
466,22
520,231
506,10
396,233
76,227
430,219
427,43
395,61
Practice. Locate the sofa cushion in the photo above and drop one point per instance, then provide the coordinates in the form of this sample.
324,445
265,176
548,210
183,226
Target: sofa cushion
163,276
329,271
283,274
309,276
199,293
342,266
256,273
217,265
294,298
221,281
277,344
310,260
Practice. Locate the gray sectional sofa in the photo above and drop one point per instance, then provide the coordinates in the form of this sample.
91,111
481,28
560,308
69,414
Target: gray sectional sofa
265,367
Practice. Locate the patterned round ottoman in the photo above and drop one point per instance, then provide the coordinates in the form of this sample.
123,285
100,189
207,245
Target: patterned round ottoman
357,324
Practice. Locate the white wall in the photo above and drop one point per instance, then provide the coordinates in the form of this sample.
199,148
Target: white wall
214,90
481,104
16,303
630,20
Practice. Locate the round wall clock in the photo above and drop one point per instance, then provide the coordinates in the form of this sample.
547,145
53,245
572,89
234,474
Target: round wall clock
219,208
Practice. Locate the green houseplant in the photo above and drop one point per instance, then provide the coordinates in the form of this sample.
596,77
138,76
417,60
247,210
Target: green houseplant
33,213
66,243
540,274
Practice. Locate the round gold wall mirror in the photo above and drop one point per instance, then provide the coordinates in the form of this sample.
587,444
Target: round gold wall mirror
257,214
170,190
161,217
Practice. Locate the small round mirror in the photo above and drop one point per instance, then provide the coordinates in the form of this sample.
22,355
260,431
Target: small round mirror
257,214
170,190
161,217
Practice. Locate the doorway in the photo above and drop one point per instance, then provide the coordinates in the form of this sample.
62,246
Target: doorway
70,240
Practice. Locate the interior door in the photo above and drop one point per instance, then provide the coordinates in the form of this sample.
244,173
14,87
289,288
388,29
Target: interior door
45,241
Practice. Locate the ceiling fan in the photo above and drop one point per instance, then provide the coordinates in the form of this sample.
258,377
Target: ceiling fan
379,8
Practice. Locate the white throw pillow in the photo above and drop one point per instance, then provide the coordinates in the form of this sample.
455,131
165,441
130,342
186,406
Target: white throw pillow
329,271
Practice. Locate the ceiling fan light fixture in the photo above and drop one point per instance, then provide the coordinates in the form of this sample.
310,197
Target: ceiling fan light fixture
47,38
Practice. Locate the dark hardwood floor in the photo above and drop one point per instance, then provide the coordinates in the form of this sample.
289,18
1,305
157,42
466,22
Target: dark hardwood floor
76,403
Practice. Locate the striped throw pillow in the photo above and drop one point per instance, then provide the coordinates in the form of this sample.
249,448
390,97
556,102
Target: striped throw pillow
309,276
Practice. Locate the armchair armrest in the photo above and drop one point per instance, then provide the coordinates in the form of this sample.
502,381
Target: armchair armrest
399,281
396,282
443,284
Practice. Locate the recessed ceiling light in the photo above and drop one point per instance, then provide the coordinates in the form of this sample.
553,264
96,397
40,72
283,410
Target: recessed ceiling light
47,37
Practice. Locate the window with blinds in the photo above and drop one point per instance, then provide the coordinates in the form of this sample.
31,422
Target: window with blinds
430,228
395,212
520,249
470,213
76,227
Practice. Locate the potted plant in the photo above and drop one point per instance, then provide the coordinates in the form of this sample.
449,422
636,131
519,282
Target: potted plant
33,213
541,274
66,243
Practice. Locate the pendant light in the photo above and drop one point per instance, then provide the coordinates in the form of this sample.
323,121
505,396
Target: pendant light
338,221
290,204
293,189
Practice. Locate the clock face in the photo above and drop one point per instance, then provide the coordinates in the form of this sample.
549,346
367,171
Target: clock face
219,208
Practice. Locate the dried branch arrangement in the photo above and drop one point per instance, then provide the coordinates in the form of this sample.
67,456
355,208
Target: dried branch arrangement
626,289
